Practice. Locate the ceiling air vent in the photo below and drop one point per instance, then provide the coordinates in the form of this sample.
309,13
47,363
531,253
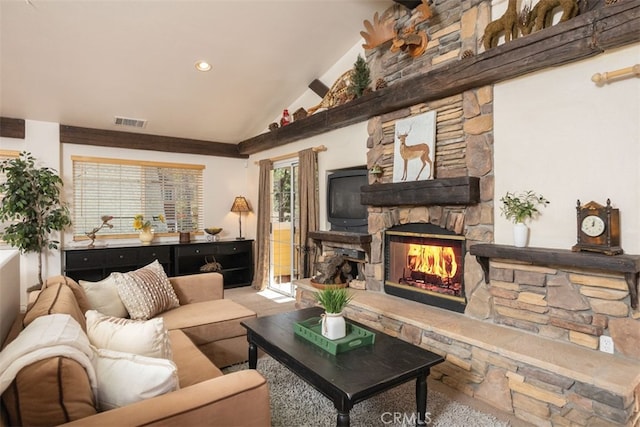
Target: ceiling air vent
127,121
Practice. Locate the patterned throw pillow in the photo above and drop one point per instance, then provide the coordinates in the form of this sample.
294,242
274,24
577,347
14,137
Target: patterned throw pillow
146,291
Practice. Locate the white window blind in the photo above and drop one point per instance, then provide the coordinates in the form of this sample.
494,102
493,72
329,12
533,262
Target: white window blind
125,188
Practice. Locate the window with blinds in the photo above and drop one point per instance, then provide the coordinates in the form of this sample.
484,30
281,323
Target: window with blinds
168,195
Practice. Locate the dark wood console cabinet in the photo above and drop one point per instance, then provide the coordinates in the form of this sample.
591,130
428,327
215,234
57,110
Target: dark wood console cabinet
235,256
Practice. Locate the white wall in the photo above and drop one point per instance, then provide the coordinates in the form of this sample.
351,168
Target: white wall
224,178
559,134
346,147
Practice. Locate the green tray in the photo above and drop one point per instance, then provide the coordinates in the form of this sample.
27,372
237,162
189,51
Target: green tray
356,337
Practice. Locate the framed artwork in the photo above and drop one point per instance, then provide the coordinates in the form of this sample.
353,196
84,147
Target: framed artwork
414,148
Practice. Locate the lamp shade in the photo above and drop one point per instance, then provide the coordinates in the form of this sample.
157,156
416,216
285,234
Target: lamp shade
240,204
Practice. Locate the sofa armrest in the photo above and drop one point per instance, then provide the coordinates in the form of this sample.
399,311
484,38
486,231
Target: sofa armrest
198,287
236,399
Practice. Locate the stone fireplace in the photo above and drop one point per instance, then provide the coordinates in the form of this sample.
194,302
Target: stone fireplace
425,263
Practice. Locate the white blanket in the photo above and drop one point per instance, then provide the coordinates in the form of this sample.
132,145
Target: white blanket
47,336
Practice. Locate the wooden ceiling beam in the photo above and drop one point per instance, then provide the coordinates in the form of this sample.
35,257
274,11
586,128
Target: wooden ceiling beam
12,128
140,141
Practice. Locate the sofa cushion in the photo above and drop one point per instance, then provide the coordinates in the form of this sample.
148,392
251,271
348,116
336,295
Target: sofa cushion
125,378
77,290
58,387
103,296
146,292
208,321
56,298
193,366
143,337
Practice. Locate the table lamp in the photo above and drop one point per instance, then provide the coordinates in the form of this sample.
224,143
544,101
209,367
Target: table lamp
240,205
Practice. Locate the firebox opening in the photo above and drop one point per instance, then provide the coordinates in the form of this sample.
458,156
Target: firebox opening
424,263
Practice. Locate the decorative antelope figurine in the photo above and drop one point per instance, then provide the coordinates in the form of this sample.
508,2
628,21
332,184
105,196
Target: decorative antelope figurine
417,151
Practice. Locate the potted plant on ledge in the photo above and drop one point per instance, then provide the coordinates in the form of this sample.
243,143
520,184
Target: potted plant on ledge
333,300
520,207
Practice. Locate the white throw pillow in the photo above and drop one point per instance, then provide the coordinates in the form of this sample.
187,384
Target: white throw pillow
146,291
103,296
125,378
143,337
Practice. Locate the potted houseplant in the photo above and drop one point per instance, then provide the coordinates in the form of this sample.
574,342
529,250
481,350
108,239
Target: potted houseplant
333,300
31,203
520,207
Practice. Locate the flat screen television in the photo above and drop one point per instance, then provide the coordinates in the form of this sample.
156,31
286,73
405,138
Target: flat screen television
344,210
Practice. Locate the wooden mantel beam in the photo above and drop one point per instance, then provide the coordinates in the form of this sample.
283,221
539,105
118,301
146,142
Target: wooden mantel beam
586,35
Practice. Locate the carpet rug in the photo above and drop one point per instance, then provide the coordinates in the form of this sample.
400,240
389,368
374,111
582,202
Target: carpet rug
294,403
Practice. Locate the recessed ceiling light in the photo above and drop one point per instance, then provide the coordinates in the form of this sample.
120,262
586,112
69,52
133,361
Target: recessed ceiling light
203,65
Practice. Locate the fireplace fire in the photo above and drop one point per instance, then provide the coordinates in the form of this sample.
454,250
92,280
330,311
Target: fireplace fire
424,263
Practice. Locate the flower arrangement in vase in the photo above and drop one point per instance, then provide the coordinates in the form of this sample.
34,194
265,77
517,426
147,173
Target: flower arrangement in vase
520,207
333,300
146,231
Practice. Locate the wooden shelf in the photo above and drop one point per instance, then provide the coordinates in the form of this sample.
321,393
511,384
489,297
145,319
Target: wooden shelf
629,265
586,35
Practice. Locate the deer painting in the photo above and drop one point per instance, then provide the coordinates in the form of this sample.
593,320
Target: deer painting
416,151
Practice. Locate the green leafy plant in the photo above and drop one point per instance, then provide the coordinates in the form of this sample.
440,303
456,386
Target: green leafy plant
519,207
333,299
31,203
360,78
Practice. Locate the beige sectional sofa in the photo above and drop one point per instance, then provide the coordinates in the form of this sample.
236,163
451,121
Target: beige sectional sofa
204,333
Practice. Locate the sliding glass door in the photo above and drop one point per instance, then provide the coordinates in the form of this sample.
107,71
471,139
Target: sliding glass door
285,217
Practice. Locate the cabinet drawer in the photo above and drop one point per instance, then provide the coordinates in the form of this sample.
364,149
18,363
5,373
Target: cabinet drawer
148,255
84,259
196,250
122,257
233,248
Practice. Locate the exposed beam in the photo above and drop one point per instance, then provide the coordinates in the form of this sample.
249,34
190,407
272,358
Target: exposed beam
318,88
586,35
140,141
12,128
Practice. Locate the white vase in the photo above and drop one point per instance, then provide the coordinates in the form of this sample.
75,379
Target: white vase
520,235
146,236
333,326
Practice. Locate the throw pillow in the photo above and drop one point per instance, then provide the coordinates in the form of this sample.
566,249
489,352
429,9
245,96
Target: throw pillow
146,292
103,296
125,378
143,337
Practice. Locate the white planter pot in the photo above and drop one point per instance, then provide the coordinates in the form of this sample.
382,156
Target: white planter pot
333,326
520,235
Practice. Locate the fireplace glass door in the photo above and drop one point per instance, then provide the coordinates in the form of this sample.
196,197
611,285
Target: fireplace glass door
425,267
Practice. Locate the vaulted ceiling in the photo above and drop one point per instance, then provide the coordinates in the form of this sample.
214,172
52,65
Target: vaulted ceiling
81,63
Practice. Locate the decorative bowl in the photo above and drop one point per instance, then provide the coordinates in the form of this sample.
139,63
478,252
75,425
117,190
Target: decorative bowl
213,230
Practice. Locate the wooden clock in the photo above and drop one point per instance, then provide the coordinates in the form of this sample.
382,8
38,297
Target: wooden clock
598,228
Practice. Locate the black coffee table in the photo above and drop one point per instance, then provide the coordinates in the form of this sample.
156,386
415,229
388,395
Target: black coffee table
346,378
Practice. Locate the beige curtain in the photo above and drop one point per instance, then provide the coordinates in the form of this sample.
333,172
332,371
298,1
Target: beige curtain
309,209
261,279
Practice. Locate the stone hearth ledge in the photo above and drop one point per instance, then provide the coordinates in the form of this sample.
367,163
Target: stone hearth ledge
605,371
